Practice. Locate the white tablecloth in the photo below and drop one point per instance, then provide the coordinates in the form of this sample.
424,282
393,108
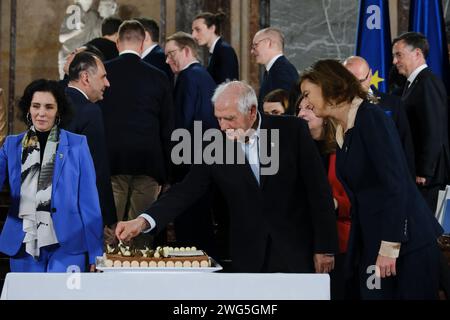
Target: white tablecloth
166,286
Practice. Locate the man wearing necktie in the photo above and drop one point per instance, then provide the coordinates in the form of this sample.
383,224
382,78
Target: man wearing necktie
425,101
281,221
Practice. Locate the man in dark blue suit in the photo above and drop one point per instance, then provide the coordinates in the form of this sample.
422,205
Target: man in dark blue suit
222,62
138,116
268,48
152,52
87,83
391,105
193,92
194,87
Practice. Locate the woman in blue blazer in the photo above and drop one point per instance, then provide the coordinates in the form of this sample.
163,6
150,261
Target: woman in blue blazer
54,223
393,240
223,63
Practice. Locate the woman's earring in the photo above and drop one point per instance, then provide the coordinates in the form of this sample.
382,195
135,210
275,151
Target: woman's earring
29,121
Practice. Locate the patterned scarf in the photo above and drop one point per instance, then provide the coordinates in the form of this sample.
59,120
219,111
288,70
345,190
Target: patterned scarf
36,191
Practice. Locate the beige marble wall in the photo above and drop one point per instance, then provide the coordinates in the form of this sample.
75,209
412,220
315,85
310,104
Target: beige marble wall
38,25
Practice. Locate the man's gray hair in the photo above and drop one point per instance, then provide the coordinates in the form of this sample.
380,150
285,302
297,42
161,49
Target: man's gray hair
247,96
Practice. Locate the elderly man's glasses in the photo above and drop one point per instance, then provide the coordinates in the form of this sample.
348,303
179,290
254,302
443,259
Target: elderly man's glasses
256,44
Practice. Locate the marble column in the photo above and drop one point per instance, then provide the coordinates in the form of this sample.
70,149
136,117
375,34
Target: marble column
186,12
316,29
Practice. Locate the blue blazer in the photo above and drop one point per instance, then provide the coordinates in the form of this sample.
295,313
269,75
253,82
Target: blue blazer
192,98
386,204
223,64
75,205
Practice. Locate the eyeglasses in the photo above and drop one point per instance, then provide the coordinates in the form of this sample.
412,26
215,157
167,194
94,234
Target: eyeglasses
367,76
171,54
255,44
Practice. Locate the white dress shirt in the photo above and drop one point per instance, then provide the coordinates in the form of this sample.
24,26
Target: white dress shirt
148,50
271,62
415,73
211,50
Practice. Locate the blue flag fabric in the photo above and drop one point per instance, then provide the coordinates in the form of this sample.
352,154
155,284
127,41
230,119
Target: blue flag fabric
373,41
446,219
426,17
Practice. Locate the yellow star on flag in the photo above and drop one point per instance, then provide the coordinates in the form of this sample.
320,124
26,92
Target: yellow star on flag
376,80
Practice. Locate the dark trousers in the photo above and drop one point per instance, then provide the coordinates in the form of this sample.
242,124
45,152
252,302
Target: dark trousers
417,277
430,195
444,275
337,278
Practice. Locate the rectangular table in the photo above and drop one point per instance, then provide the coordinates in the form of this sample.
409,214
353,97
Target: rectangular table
165,286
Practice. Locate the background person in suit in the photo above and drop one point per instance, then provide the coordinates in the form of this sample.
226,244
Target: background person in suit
192,98
268,48
222,62
392,226
194,87
54,221
138,118
425,101
391,105
283,222
87,83
106,44
152,52
88,48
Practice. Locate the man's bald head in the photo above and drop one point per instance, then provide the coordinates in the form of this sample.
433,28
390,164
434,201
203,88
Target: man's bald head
360,69
275,35
267,43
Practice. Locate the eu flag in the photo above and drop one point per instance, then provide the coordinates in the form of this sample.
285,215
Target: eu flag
426,17
373,41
